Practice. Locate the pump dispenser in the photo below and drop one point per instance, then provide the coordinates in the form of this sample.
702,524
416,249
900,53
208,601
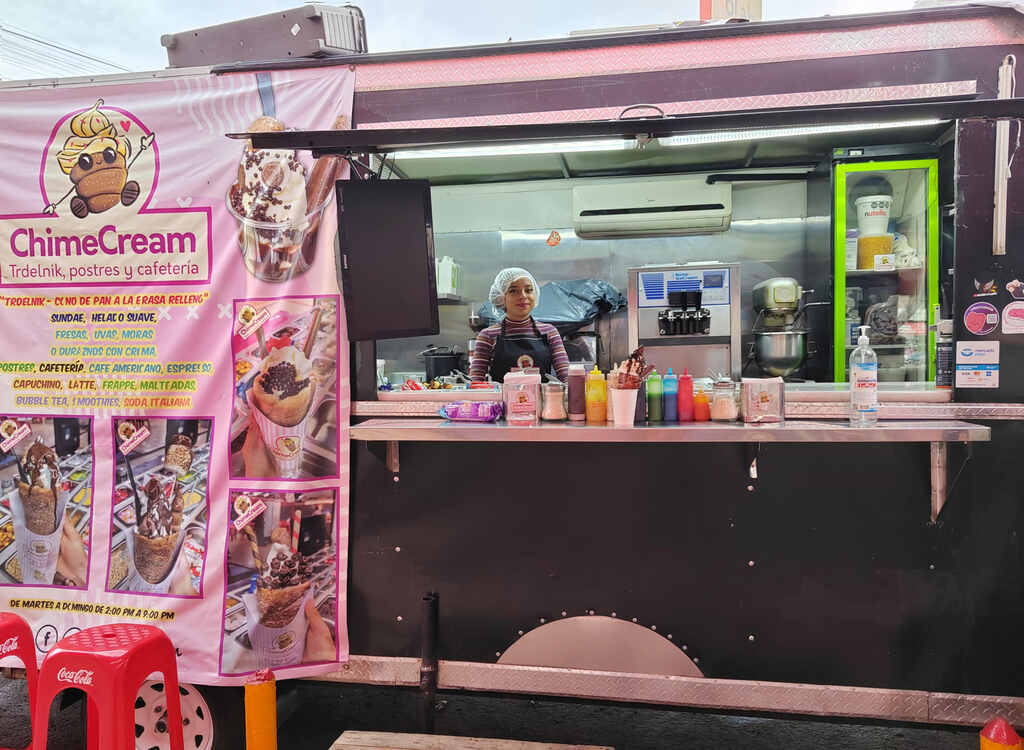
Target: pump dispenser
863,383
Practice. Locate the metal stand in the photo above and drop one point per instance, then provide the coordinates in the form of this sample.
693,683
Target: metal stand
938,469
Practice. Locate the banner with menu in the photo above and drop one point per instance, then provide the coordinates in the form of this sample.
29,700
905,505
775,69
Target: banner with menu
174,392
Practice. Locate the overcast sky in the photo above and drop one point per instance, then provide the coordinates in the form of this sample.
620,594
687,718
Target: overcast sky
127,32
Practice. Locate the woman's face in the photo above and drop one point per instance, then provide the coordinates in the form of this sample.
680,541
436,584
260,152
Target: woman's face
520,299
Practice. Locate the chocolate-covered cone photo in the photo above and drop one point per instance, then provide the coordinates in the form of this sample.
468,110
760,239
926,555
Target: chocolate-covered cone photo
283,390
179,455
281,589
157,535
39,495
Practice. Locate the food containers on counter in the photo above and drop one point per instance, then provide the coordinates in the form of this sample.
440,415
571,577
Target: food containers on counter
763,400
724,406
521,394
553,402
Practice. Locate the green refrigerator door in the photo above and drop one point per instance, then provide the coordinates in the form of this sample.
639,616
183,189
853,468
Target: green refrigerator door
886,248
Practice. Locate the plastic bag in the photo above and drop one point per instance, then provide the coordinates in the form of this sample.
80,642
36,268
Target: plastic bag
472,411
567,305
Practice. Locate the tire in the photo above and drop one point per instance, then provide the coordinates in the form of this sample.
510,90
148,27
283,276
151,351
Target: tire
213,718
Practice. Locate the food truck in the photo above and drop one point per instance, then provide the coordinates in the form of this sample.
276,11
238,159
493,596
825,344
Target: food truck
806,177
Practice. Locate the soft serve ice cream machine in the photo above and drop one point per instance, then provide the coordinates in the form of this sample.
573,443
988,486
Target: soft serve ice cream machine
687,316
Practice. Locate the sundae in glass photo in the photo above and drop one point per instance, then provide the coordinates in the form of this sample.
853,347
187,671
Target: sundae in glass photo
279,201
157,534
158,524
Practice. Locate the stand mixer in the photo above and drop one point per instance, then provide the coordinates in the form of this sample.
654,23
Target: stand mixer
780,339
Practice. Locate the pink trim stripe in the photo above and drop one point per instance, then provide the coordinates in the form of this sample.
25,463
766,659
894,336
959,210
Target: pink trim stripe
690,54
802,98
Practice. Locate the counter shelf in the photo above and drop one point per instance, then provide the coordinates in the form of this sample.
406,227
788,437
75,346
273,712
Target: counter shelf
938,433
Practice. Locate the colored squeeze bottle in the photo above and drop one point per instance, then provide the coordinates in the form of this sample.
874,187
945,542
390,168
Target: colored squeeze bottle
597,397
701,407
577,393
684,404
670,387
654,397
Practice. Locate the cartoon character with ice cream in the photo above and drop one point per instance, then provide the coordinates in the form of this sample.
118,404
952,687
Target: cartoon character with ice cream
95,158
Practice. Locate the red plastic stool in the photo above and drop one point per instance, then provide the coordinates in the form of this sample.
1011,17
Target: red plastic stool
109,663
16,640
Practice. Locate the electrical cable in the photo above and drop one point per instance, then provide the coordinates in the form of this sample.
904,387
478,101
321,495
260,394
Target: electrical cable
26,52
6,28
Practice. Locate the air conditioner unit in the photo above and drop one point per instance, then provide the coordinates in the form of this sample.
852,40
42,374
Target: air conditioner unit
314,30
656,207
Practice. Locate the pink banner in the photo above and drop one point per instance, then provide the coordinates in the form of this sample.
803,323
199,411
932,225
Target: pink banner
174,399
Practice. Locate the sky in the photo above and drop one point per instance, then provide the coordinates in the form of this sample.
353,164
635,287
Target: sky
127,32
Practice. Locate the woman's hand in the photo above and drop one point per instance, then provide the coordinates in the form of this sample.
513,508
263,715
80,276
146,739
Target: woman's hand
319,640
73,562
258,462
181,582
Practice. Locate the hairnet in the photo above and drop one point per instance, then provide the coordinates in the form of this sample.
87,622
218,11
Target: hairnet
504,280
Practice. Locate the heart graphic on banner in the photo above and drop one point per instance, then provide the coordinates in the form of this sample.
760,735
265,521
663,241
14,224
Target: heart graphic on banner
185,202
126,125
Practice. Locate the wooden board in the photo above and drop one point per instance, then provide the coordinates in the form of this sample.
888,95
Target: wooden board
398,741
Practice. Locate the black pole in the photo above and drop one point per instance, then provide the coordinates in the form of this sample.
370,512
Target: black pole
428,659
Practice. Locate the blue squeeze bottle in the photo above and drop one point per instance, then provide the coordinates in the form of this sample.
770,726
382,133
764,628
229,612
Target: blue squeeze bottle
670,394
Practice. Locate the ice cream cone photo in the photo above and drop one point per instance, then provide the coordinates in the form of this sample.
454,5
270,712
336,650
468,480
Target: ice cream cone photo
278,198
159,504
282,577
46,516
277,424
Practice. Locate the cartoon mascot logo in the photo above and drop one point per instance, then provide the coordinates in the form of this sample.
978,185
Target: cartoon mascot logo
97,158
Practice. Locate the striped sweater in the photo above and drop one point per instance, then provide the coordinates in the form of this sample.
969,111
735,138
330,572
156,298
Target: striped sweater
486,339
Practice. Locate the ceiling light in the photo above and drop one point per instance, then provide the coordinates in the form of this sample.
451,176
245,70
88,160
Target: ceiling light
518,149
631,143
757,134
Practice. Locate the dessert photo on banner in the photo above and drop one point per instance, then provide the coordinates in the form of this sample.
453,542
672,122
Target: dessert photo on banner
285,417
280,606
160,509
46,483
278,199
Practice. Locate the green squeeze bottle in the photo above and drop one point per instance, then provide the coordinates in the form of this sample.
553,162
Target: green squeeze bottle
654,396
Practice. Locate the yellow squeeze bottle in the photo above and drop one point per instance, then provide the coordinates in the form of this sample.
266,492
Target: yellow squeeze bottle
597,397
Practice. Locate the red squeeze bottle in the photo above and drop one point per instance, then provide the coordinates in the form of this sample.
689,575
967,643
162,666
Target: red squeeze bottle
684,399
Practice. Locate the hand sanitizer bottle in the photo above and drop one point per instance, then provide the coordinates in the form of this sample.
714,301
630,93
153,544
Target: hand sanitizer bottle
863,383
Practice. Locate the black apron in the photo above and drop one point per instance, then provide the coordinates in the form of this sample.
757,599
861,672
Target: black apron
519,353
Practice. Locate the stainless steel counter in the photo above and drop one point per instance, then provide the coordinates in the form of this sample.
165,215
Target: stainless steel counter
935,432
795,409
792,431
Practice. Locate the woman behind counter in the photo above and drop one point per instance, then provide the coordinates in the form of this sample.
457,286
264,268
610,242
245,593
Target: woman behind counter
519,340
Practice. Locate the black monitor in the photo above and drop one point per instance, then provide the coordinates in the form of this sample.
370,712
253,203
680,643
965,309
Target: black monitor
386,258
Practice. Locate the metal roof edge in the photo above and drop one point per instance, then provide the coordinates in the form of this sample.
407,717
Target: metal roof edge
107,78
385,140
683,33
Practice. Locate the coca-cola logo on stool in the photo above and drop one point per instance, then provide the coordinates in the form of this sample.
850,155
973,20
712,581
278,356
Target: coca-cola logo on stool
75,676
9,646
